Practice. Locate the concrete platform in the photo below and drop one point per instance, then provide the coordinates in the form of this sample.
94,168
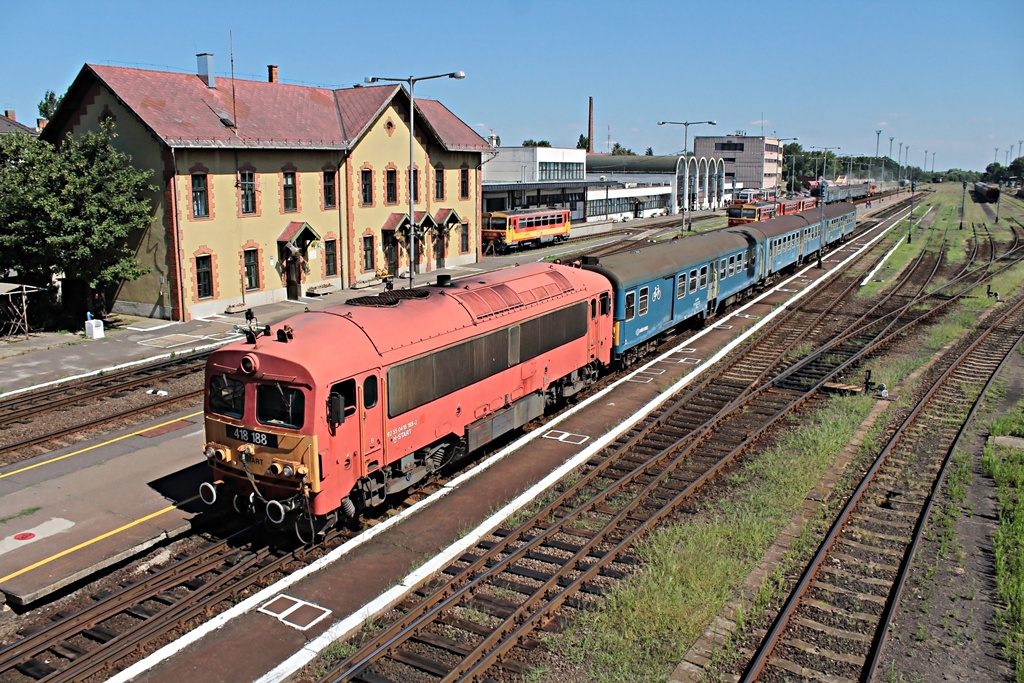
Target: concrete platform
100,503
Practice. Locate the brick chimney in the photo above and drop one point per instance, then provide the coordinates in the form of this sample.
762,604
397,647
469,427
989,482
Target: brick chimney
9,113
272,73
40,124
206,69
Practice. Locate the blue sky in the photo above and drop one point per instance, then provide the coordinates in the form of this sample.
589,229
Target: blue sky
937,75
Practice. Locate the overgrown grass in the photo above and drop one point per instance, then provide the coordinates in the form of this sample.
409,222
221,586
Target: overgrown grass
693,568
23,513
1006,467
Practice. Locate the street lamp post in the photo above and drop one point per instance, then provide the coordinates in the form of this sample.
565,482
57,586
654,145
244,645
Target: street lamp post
899,168
999,198
963,201
411,81
686,130
782,150
822,196
891,138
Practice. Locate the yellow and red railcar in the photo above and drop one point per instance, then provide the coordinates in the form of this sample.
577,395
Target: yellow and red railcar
338,408
738,214
508,231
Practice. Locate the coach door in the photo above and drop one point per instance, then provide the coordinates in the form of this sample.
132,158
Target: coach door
712,304
371,420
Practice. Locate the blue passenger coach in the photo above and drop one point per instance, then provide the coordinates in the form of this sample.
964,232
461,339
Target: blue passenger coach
660,286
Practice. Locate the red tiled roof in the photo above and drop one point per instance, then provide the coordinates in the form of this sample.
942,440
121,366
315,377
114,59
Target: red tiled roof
447,216
453,133
183,112
292,230
422,217
394,221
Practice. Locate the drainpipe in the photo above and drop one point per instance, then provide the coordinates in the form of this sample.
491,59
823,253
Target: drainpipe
179,295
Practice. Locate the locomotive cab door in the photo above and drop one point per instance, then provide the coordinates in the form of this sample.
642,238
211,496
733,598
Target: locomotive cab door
371,420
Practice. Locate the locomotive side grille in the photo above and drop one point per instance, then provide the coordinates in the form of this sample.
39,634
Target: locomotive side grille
489,301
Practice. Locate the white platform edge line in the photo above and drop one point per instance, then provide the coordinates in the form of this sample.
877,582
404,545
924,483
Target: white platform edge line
341,628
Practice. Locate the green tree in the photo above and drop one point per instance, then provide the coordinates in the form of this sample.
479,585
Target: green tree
584,142
48,105
619,150
536,143
29,190
71,212
649,152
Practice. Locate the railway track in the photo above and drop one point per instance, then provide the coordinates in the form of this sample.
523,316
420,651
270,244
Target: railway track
197,585
483,611
835,622
31,419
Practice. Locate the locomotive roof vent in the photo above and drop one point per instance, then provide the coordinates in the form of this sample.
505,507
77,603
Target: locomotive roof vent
444,280
591,260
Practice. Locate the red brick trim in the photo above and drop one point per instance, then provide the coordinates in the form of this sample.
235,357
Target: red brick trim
323,171
204,250
398,187
389,126
199,168
258,193
261,273
444,184
469,186
288,168
337,253
376,243
367,166
75,121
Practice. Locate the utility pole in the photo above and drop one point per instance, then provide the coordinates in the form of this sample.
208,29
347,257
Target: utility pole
963,200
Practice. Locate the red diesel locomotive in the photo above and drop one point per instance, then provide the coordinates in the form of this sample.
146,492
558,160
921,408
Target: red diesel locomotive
339,408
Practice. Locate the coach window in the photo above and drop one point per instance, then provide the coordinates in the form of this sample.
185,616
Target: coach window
347,391
681,286
370,391
703,277
644,297
732,265
630,305
721,269
693,281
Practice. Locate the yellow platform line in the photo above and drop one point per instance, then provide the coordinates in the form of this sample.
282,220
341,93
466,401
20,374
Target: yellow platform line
99,538
99,445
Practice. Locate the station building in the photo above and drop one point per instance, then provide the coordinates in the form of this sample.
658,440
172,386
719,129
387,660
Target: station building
753,162
269,191
599,187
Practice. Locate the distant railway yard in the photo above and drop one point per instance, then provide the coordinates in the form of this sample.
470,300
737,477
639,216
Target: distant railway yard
812,479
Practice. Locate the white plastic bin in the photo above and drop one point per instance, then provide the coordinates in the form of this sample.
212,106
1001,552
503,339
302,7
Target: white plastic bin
94,329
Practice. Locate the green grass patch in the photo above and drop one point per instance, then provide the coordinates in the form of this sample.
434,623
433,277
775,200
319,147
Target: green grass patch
692,569
24,513
1006,467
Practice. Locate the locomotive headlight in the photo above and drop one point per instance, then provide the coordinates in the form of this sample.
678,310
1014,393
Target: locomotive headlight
249,364
211,452
287,471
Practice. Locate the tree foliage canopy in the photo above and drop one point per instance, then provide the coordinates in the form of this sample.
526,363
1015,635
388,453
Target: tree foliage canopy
48,105
536,143
583,142
71,211
619,150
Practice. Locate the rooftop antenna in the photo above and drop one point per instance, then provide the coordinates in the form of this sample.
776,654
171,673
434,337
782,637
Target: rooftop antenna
234,108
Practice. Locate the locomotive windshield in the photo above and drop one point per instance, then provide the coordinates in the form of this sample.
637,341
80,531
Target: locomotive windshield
280,406
499,223
227,396
735,212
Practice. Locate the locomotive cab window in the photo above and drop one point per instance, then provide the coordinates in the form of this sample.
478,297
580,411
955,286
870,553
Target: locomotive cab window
606,304
347,391
630,305
280,406
227,396
370,391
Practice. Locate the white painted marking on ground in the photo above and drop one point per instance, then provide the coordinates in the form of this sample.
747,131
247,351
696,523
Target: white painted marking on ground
653,371
390,597
639,380
881,263
150,329
48,528
689,361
